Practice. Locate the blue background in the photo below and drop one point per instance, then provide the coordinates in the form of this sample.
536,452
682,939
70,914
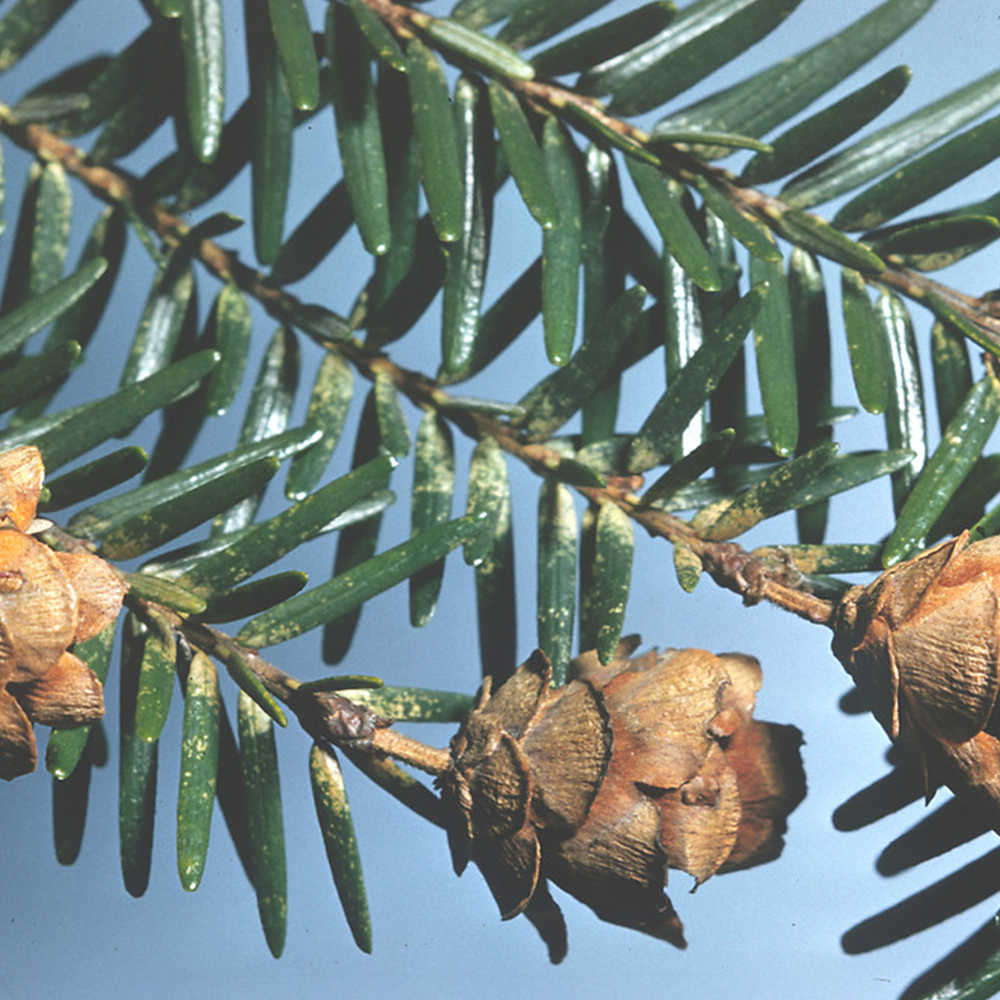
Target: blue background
772,931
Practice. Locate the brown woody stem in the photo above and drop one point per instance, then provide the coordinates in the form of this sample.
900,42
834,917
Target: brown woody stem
325,715
329,716
728,564
390,743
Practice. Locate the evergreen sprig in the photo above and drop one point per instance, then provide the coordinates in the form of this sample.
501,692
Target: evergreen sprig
435,111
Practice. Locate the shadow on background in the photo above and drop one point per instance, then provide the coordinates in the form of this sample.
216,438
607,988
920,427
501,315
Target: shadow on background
973,968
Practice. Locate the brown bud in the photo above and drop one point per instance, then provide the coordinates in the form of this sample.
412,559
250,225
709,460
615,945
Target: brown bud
602,785
922,643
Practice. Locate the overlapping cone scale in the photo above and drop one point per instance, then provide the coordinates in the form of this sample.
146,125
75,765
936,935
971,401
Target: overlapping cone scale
923,645
602,785
21,475
48,602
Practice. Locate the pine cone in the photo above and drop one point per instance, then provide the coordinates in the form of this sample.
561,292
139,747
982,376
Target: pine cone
48,601
602,785
922,644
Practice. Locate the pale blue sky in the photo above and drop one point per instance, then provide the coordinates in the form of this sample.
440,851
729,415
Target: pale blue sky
772,931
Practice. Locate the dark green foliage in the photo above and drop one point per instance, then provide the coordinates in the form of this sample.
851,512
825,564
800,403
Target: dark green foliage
688,51
65,746
437,141
961,441
25,321
265,823
774,340
202,48
351,588
433,486
601,43
156,677
296,52
606,572
865,342
334,816
430,116
664,198
802,143
199,769
659,434
359,133
137,767
556,576
775,94
269,131
922,178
